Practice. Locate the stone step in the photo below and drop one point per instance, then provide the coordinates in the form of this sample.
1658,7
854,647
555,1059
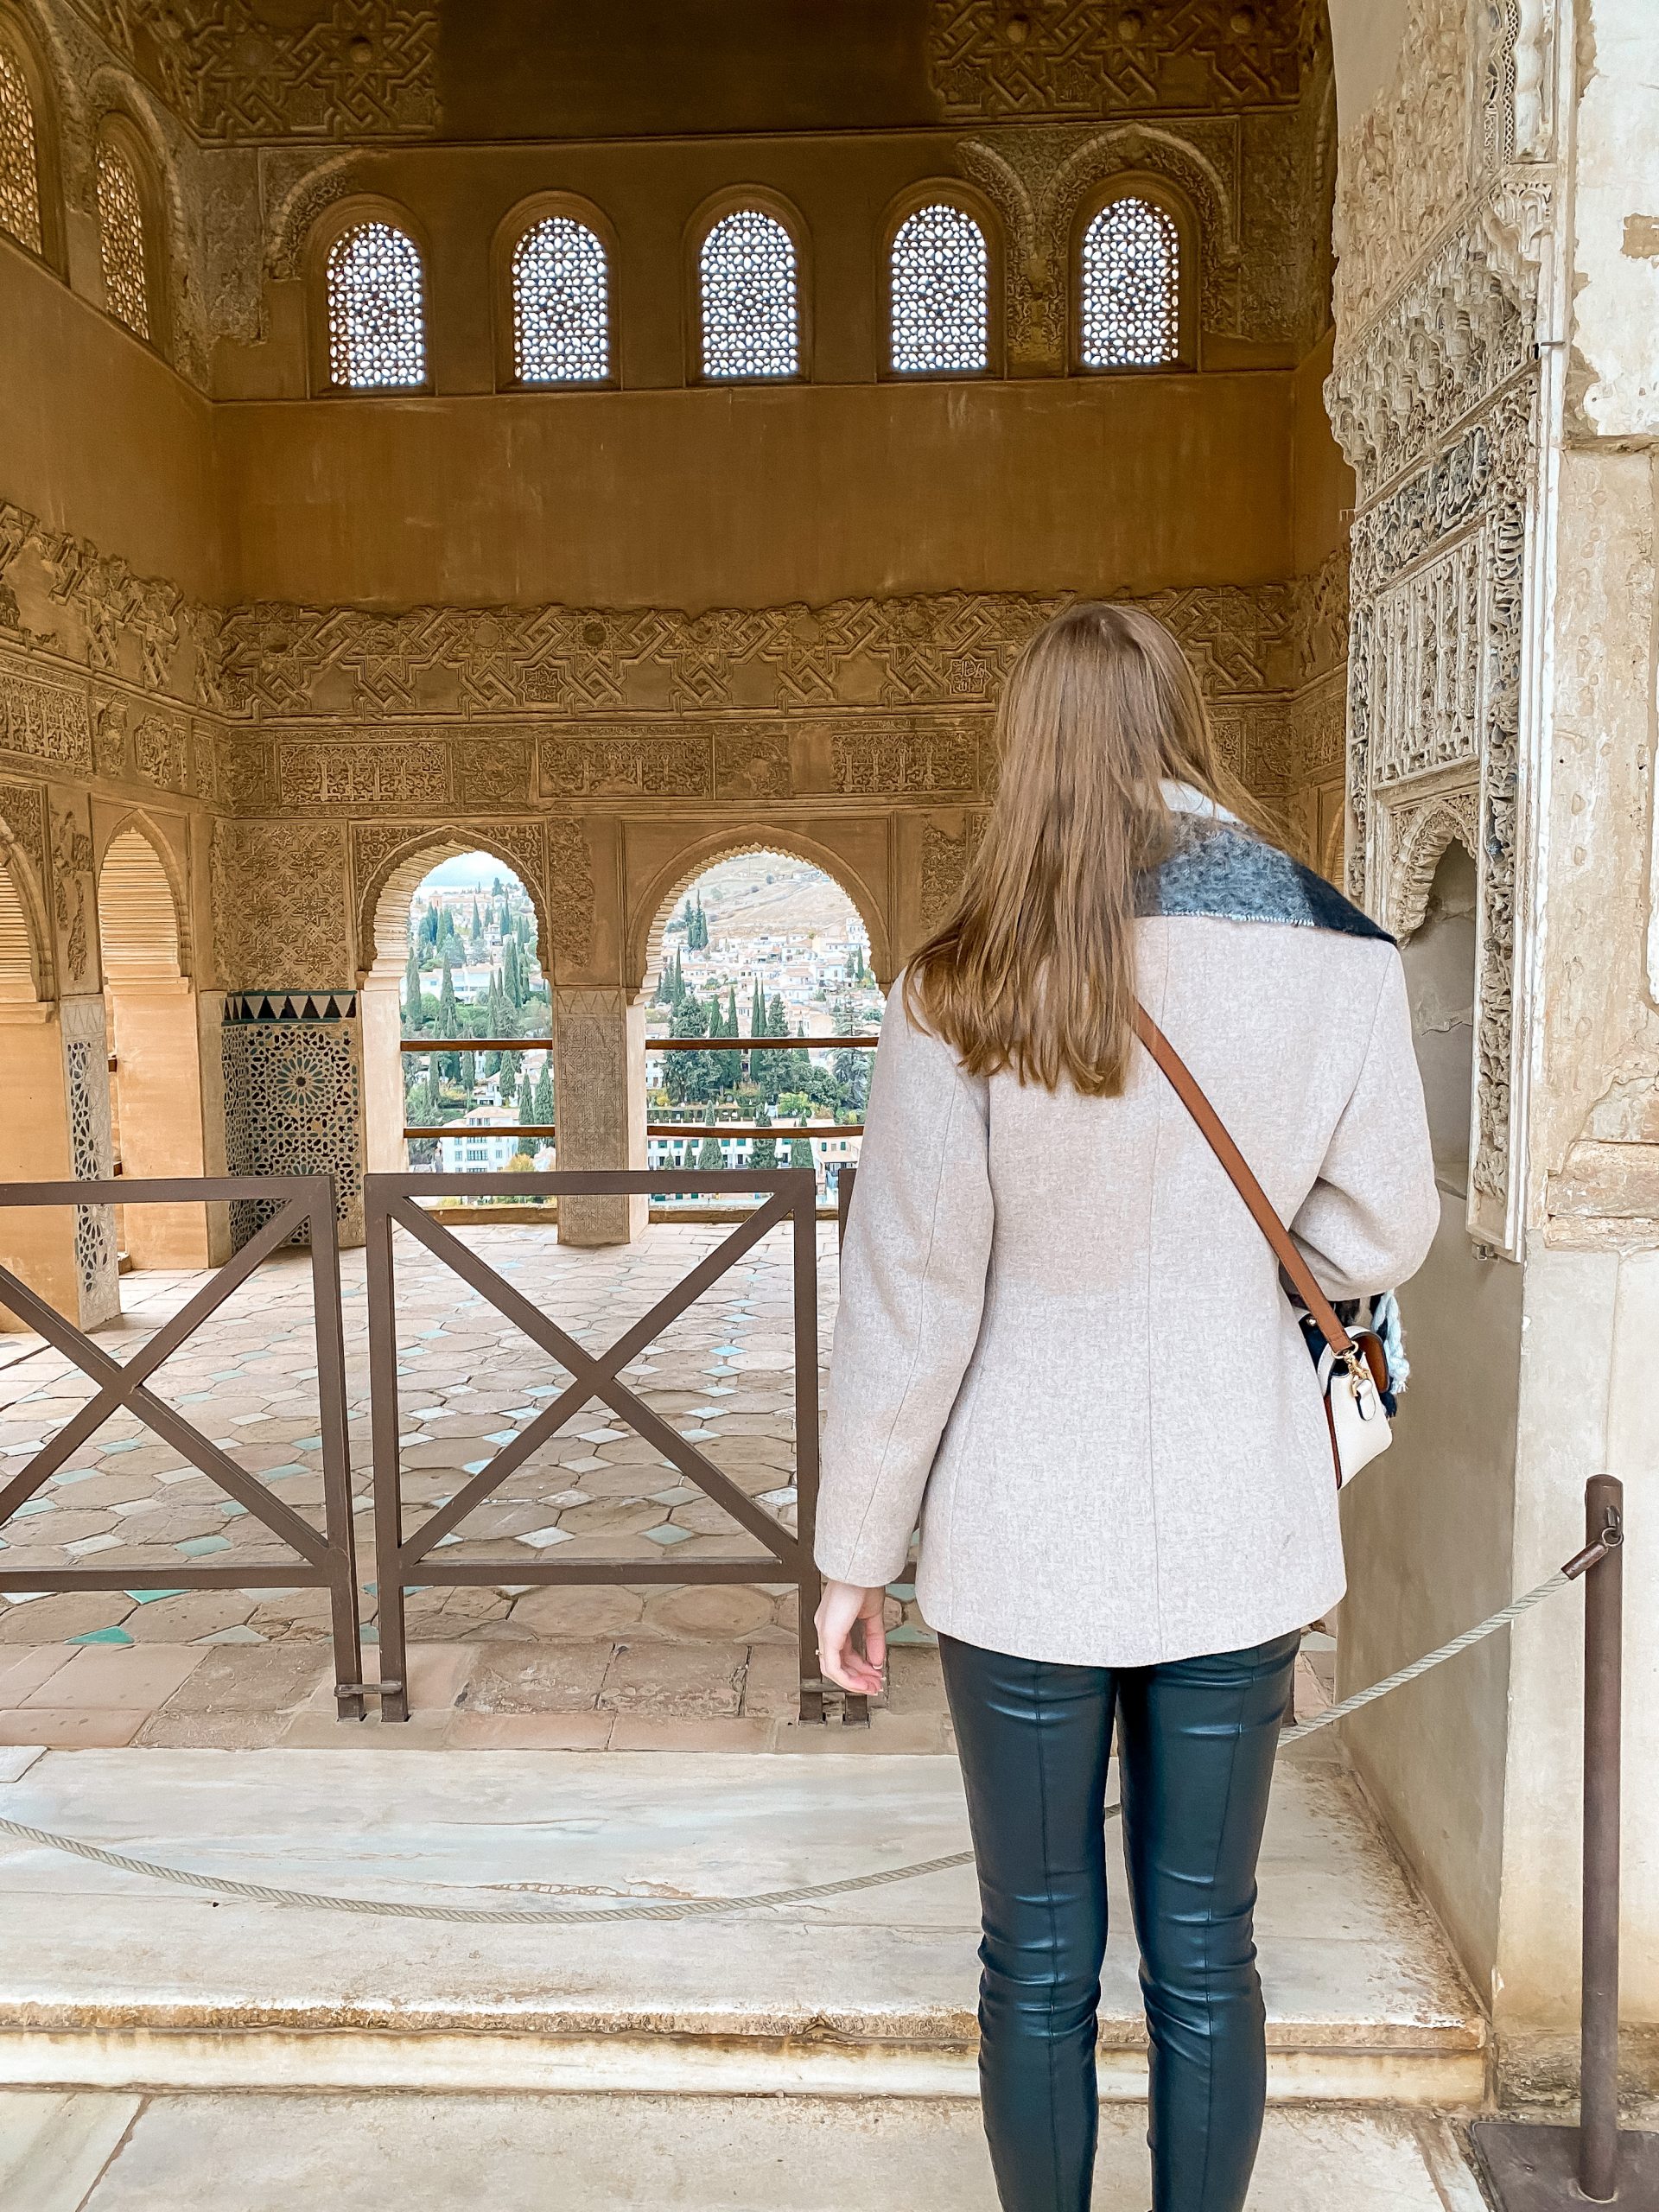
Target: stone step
115,1981
104,2153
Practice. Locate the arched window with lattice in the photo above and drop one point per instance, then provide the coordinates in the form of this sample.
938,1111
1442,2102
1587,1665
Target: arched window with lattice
377,309
749,288
1130,303
20,160
939,292
122,245
561,304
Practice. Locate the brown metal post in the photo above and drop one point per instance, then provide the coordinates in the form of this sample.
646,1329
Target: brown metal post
1604,1628
388,1468
805,1228
844,1181
1529,2167
855,1712
328,1322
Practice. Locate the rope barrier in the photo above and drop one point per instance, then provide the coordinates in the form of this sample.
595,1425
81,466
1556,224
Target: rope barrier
699,1908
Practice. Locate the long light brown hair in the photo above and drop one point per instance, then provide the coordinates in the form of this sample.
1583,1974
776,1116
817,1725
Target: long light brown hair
1035,969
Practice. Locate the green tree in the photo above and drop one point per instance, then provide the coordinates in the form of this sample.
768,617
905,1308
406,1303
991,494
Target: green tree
709,1159
731,1029
412,1007
852,1073
526,1099
765,1152
448,1019
800,1152
475,932
541,1103
683,1072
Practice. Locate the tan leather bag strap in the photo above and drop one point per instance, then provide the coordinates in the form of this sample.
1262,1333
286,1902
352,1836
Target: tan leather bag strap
1214,1132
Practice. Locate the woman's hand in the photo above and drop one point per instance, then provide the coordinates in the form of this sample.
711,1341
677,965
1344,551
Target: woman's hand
843,1610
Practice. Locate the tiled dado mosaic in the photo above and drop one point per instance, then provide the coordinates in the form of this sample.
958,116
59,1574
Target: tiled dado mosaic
294,1098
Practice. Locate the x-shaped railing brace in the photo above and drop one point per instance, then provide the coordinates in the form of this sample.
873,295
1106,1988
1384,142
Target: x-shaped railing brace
328,1557
593,1376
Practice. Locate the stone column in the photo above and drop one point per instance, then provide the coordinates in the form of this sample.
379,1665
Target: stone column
54,1076
599,1107
381,1011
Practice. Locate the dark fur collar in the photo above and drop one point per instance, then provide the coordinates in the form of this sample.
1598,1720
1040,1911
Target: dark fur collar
1223,873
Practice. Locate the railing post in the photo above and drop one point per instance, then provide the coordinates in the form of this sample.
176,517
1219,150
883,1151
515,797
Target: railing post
387,1453
1603,1632
1532,2168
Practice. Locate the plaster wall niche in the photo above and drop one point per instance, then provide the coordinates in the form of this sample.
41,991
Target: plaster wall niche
1440,978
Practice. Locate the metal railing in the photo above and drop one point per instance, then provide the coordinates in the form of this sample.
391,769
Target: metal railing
304,1204
403,1560
425,1045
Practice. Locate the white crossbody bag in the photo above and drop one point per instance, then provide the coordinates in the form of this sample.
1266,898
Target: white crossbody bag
1352,1369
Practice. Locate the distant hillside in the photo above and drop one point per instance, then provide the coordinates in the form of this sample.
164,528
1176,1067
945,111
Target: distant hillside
741,903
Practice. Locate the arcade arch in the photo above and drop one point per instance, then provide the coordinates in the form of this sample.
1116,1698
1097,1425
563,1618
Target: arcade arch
758,943
389,930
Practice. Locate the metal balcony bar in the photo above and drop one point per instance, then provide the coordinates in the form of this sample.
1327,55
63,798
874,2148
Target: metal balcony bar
652,1043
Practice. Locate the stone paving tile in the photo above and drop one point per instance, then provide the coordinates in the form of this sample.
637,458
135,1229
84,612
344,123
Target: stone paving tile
99,1676
674,1681
552,1678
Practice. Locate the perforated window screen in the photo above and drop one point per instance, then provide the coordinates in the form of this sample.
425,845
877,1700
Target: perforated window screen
376,311
751,323
561,305
939,307
121,240
1131,287
20,177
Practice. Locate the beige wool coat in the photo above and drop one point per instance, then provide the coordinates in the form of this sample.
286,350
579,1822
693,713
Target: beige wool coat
1062,1341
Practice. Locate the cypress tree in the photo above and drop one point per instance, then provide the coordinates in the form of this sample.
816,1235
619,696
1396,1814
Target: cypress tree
448,1019
731,1029
413,1013
541,1103
526,1103
764,1151
681,1071
708,1157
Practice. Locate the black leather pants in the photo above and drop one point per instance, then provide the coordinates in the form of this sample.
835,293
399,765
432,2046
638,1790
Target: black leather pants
1196,1744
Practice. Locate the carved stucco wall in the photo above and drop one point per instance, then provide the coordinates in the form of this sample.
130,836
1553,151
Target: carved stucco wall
1443,201
304,756
319,752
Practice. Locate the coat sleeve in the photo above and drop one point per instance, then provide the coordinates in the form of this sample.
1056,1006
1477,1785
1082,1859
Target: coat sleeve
913,1288
1369,1221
